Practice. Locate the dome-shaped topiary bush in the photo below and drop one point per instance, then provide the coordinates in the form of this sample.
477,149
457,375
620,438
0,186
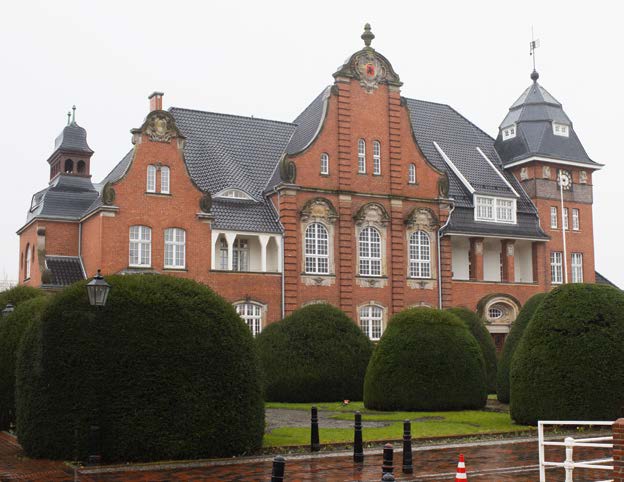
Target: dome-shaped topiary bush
511,343
568,365
477,327
427,359
166,369
316,354
18,294
12,329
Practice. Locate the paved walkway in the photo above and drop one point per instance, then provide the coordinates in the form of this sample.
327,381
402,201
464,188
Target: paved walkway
492,461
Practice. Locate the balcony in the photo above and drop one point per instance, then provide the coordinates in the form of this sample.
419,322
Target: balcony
246,252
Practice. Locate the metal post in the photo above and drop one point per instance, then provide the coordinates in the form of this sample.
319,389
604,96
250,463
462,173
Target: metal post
540,440
358,449
315,444
408,468
388,455
279,466
568,465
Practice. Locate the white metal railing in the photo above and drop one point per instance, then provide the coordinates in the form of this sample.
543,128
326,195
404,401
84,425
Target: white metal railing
569,443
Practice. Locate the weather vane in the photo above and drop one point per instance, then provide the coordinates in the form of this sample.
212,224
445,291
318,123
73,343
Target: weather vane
533,45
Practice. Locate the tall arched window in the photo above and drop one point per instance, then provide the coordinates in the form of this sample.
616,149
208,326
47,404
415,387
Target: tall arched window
419,255
316,249
140,246
175,248
361,156
151,178
324,163
82,167
164,180
69,166
370,252
411,178
376,158
371,321
28,262
251,313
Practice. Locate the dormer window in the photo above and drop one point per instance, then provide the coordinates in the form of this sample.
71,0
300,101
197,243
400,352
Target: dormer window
233,194
495,210
561,129
509,132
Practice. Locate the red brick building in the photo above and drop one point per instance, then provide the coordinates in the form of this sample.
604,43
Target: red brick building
369,200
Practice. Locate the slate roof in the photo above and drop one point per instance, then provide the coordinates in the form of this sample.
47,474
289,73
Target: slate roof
309,123
243,215
73,138
64,270
67,197
604,281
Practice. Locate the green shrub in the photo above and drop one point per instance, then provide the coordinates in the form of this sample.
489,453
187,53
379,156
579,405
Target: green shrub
568,365
12,329
18,294
427,359
316,354
478,329
167,369
511,343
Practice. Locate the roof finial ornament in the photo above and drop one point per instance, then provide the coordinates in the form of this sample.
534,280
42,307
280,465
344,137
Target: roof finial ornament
68,117
74,115
533,45
367,36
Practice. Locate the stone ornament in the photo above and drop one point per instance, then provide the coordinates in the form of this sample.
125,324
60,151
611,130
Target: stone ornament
159,126
524,174
583,177
372,213
288,170
546,172
319,209
443,186
108,194
478,246
510,249
205,202
422,219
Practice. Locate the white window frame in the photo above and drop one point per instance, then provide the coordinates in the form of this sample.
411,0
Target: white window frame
233,193
560,129
554,217
495,313
566,224
151,179
411,175
489,209
577,267
376,158
223,253
316,249
372,321
165,180
419,255
324,163
509,132
361,156
556,267
140,241
251,314
370,251
576,219
240,255
175,248
28,262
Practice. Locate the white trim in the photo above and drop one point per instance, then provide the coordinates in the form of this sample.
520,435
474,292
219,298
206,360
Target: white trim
454,168
495,200
221,193
494,236
594,166
498,172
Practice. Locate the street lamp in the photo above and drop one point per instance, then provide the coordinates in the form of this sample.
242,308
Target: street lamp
8,309
98,290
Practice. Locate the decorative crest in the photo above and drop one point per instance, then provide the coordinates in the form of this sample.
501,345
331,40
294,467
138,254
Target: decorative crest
367,36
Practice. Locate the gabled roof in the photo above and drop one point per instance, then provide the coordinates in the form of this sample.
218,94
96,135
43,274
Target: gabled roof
604,281
309,123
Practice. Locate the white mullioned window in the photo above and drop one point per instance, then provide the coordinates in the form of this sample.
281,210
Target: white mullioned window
165,180
175,248
223,253
140,246
565,218
509,132
553,217
316,249
240,255
324,163
561,129
370,252
361,156
577,267
151,178
251,314
419,255
411,175
499,210
28,262
371,321
505,210
576,222
485,208
556,267
376,158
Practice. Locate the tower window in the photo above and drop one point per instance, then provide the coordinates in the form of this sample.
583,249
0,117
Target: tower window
324,163
376,158
509,132
361,156
81,167
69,166
411,178
561,129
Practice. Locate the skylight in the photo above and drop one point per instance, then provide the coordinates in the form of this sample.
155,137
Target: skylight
509,132
561,129
233,194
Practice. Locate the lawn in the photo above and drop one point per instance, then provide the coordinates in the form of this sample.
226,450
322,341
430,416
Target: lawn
424,424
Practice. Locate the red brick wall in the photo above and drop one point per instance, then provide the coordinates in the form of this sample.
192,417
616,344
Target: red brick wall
28,239
618,450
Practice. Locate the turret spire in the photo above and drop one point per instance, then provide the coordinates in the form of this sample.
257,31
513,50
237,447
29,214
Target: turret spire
367,36
68,117
74,115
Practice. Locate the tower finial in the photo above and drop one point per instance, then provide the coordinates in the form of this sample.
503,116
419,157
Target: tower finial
74,114
367,36
68,117
532,46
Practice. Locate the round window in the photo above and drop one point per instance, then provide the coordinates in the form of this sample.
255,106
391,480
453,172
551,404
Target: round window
495,313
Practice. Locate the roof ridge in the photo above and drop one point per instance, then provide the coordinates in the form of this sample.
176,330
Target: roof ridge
233,115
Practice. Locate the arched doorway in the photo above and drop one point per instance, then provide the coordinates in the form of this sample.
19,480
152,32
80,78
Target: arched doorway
499,312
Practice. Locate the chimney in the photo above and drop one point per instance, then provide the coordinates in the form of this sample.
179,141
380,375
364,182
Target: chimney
156,101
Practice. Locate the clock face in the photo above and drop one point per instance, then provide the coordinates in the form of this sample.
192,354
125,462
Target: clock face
565,179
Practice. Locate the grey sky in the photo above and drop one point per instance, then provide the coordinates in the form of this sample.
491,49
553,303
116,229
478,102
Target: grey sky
270,59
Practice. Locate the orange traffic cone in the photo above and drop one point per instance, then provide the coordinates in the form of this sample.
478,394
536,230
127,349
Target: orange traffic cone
461,470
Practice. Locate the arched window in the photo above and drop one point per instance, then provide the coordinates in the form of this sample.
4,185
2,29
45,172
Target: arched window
151,178
175,248
361,156
370,252
28,262
140,246
69,166
411,178
324,164
316,249
419,255
81,168
251,313
371,321
164,180
376,158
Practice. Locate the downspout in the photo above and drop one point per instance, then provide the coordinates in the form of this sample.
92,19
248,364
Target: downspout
440,233
279,195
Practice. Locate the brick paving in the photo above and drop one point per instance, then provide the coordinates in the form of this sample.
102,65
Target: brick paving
491,461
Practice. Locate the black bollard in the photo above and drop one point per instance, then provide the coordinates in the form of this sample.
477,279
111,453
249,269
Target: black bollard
95,455
315,444
358,449
408,468
387,477
387,467
279,466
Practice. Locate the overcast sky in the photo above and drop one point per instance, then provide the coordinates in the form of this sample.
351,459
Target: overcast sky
270,59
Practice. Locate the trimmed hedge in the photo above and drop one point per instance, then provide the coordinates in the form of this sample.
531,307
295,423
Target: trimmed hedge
568,365
427,359
316,354
12,329
18,294
511,343
167,369
477,327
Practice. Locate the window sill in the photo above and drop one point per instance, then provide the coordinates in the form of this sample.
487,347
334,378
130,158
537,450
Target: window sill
361,173
322,174
157,194
173,268
139,266
319,275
